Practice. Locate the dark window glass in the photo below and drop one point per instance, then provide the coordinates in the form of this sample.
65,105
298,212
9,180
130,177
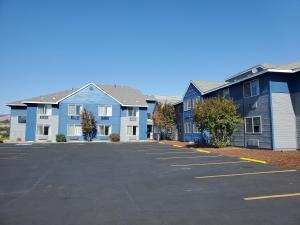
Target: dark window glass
256,125
21,119
248,125
247,89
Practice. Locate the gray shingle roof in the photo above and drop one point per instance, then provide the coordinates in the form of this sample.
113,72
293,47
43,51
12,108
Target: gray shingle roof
167,99
204,86
289,66
127,96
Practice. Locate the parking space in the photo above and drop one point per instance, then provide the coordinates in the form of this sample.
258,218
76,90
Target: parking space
141,183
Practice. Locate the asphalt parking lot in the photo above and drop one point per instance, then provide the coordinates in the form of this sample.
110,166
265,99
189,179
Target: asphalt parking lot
140,184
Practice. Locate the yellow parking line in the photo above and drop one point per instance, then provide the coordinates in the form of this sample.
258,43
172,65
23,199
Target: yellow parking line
201,150
244,174
177,146
272,196
189,157
160,142
204,164
254,160
166,153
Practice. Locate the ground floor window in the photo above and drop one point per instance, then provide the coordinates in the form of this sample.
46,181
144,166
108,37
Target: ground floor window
132,130
104,130
43,130
253,125
188,128
74,130
196,130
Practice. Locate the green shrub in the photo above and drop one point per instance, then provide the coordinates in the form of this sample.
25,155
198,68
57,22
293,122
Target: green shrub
60,138
1,139
115,137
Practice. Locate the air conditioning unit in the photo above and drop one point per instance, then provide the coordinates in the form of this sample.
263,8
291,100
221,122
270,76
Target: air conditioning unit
253,143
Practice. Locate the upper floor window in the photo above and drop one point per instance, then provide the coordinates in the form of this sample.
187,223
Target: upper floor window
187,104
74,110
149,116
21,119
251,88
44,110
253,125
132,111
105,110
195,101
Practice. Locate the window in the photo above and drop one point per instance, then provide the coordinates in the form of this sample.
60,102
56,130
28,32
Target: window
74,130
105,110
43,130
21,119
132,130
132,111
195,101
188,128
74,110
253,125
104,130
196,130
187,104
44,110
251,88
149,116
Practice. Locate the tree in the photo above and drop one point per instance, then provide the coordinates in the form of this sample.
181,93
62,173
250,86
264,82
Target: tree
164,117
88,125
218,116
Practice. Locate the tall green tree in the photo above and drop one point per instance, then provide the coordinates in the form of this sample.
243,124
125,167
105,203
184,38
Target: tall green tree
88,125
218,116
164,117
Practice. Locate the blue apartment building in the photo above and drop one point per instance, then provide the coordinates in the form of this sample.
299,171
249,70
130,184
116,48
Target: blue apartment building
118,109
268,97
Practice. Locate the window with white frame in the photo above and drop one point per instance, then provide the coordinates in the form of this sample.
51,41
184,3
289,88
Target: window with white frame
74,109
196,130
132,111
187,128
44,110
104,130
251,88
105,110
43,130
132,130
253,125
74,130
195,100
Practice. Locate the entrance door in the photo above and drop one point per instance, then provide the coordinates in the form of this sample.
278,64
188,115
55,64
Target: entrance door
149,131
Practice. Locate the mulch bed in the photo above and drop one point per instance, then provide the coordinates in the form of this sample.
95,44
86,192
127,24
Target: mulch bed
280,159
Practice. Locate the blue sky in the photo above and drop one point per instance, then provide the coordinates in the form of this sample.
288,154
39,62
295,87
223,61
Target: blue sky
156,46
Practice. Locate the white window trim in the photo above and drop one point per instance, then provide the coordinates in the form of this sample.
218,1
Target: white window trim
137,111
43,125
44,105
69,135
105,125
106,106
81,109
136,131
260,125
251,81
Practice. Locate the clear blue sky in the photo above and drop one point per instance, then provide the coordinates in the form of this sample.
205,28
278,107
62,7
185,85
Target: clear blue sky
156,46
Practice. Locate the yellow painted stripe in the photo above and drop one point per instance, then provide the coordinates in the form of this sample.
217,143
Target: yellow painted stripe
254,160
201,150
166,153
272,196
160,142
191,157
204,164
245,174
178,146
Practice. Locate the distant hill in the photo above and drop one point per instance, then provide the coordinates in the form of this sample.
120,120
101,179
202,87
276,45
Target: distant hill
4,118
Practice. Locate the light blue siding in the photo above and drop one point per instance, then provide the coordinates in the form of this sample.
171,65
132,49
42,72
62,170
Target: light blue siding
143,123
31,123
18,111
89,97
